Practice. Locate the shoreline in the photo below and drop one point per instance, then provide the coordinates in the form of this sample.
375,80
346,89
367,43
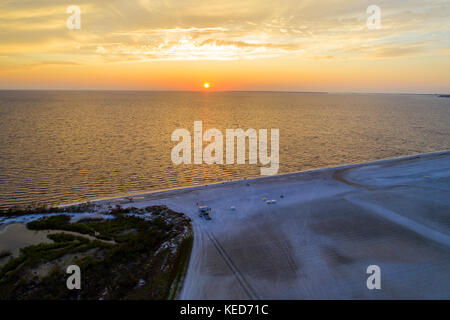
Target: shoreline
388,212
318,237
325,222
258,178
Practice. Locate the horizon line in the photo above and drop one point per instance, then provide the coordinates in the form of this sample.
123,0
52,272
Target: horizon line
224,91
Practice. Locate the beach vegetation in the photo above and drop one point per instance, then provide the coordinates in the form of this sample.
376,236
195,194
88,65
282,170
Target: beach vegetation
144,259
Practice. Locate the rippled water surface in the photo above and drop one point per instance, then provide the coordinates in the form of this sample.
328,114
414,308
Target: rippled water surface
60,147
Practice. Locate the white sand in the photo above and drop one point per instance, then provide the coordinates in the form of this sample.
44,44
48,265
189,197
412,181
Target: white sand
317,240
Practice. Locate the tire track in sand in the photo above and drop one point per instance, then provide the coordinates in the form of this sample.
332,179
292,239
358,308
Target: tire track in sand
248,289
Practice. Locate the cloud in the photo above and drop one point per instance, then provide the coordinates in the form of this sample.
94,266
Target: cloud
210,49
243,44
393,52
141,30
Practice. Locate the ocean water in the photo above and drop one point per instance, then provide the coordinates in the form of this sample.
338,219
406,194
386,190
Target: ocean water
62,147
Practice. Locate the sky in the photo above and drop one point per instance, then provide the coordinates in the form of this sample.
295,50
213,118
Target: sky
286,45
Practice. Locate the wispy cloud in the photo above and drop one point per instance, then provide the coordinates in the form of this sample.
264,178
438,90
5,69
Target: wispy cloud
219,30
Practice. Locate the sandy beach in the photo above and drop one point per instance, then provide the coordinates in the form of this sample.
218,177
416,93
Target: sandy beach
324,229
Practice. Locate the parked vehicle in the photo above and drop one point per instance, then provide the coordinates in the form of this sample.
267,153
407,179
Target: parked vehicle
204,212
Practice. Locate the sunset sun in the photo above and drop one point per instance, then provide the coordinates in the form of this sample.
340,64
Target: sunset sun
206,85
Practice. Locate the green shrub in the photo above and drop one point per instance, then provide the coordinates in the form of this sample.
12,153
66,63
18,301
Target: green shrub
58,222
